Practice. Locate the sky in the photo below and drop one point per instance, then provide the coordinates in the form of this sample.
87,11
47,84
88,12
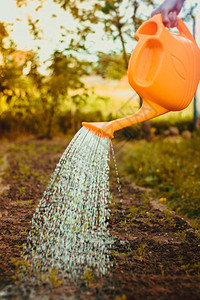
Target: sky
9,13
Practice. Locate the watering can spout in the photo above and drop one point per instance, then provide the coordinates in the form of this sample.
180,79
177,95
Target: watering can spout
148,111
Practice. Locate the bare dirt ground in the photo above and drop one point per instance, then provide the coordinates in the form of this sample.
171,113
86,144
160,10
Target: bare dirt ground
155,254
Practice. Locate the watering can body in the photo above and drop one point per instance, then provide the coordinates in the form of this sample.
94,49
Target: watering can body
164,69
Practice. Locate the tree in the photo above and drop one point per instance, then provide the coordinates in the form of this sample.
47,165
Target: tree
121,19
12,66
64,77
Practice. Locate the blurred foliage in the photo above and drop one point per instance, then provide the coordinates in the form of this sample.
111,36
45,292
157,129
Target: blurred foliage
30,101
158,128
171,167
110,65
120,18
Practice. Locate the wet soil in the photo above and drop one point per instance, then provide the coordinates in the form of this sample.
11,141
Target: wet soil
155,253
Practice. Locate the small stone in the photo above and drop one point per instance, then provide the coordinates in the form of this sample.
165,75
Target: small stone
173,131
166,132
186,134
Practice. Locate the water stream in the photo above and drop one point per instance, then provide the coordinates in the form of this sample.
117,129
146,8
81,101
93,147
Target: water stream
70,226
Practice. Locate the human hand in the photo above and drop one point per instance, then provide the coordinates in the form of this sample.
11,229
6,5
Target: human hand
169,10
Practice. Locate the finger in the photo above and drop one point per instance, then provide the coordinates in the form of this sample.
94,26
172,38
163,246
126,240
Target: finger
165,17
173,20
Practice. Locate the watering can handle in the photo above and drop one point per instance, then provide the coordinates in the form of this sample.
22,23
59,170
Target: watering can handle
182,28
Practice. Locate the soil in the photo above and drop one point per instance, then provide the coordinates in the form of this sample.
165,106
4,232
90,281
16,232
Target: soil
156,254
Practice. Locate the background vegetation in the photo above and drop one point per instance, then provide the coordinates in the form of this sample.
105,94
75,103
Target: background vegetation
170,168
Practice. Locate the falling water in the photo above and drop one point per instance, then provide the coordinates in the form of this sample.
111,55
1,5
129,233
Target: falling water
69,228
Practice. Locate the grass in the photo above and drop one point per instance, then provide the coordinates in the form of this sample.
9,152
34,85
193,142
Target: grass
171,168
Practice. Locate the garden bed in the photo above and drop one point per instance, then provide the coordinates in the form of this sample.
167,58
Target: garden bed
155,253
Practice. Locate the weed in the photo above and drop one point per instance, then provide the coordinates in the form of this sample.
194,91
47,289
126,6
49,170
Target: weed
149,217
122,297
140,251
168,218
143,211
182,235
180,259
53,280
186,269
197,268
22,190
162,270
88,277
115,204
177,163
123,255
133,213
7,172
114,255
24,170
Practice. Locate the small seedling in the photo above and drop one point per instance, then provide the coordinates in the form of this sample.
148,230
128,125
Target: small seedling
180,259
197,268
22,190
168,218
123,255
140,251
133,210
182,235
122,297
114,255
185,268
161,269
149,217
88,277
115,204
53,280
143,211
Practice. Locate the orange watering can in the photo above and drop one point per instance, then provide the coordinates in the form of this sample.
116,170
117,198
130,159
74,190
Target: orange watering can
164,69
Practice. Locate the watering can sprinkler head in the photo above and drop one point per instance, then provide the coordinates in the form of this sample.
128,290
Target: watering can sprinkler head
164,69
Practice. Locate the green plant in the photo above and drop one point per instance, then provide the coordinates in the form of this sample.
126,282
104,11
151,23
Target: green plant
88,277
171,168
53,278
149,217
122,297
114,255
141,251
162,270
197,268
182,235
22,190
133,210
186,269
123,255
168,218
180,259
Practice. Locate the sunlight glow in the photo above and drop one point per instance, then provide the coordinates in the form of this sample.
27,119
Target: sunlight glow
17,20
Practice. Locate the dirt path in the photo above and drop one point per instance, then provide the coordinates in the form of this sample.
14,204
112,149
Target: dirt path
156,254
